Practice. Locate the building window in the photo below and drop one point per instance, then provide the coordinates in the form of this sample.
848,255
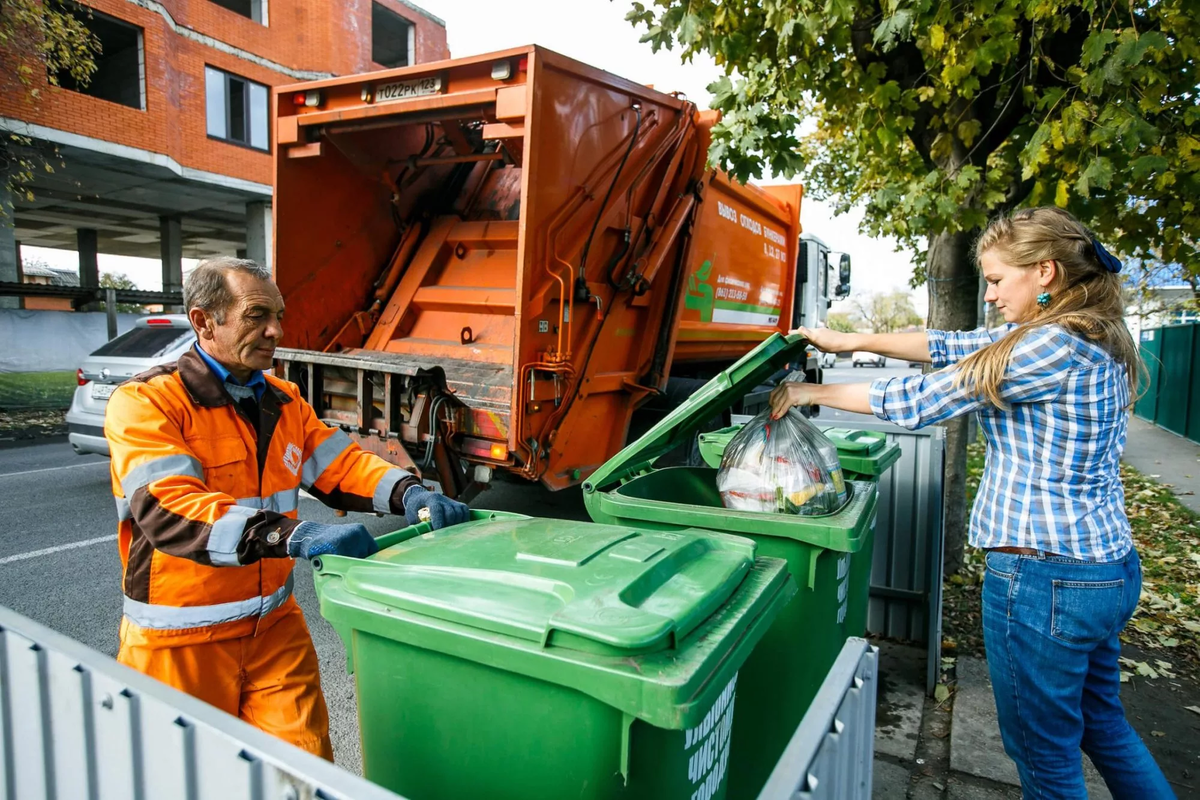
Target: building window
392,37
253,9
120,64
236,109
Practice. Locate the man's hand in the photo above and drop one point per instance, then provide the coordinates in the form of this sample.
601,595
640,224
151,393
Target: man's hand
826,340
443,511
312,539
789,394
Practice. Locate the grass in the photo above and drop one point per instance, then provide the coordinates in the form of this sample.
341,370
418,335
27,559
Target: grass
24,390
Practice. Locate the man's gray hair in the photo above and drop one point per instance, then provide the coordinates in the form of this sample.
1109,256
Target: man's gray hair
206,288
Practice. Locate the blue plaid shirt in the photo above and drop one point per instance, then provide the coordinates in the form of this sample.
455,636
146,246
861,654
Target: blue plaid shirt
1051,478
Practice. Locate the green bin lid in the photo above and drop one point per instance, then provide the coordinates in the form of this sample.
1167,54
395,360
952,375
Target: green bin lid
856,443
604,610
595,588
713,398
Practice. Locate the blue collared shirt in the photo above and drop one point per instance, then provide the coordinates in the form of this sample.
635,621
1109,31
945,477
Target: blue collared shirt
1051,478
257,382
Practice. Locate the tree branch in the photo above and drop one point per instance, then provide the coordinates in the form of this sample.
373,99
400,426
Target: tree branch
1000,124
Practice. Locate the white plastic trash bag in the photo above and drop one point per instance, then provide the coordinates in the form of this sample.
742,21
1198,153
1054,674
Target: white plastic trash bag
783,466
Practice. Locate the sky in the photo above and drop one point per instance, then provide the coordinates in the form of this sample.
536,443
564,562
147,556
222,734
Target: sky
595,32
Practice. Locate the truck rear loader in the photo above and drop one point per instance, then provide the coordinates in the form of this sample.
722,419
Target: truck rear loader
489,263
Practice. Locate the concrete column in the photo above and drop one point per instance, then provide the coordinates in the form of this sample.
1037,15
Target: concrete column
9,271
258,232
170,237
89,266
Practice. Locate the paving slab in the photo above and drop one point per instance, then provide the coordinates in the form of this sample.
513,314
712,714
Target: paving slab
889,781
975,744
901,700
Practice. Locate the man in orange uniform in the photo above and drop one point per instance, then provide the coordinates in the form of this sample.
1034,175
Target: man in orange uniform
208,459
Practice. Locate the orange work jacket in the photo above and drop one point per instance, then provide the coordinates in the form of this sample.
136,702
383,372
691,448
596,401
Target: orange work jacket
206,503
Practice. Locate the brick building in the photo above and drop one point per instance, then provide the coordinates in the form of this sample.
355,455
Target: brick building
167,151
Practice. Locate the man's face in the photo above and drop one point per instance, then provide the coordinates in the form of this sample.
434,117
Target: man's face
252,329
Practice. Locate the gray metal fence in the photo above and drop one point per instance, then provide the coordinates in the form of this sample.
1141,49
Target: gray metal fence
831,756
906,575
76,725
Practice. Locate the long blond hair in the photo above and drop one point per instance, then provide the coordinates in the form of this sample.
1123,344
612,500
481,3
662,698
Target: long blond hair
1086,298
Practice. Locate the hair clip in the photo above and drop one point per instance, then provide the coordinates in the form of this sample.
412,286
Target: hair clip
1110,262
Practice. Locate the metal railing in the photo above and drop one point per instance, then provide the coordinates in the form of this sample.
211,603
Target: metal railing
76,725
832,754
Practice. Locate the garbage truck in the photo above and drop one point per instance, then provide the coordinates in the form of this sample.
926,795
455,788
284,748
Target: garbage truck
490,263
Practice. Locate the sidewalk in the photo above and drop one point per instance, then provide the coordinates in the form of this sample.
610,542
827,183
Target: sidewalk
953,751
1166,457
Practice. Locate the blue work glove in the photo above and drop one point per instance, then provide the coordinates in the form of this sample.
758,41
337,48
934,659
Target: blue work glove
443,511
312,539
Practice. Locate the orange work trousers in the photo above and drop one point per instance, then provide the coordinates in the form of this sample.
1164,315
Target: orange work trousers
271,680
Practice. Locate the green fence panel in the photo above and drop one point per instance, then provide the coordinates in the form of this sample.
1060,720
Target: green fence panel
1175,378
1193,425
1151,353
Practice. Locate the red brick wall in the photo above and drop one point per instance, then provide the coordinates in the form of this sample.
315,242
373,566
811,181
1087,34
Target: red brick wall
301,35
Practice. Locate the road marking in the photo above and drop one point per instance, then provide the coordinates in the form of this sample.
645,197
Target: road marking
53,469
52,550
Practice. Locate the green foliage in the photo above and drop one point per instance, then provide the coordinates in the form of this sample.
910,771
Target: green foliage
40,41
119,280
839,321
936,115
881,312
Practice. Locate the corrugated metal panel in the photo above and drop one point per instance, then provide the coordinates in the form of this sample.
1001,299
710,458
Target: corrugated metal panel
831,755
906,576
75,724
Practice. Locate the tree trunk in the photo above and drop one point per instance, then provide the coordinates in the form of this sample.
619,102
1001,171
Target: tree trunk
953,306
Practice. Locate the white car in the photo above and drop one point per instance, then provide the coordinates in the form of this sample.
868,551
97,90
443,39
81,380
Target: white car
828,360
862,358
159,339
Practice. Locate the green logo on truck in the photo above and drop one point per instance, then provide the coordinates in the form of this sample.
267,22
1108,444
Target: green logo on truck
700,293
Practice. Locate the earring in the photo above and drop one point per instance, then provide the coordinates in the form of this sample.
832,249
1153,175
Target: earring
1043,299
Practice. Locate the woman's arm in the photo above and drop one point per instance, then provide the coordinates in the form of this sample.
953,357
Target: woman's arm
904,346
844,396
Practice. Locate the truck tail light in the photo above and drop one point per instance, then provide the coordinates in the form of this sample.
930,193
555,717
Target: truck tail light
312,99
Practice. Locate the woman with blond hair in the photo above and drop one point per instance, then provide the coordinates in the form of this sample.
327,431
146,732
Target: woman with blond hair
1053,390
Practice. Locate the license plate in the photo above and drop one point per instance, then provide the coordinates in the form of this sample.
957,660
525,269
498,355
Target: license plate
103,391
404,89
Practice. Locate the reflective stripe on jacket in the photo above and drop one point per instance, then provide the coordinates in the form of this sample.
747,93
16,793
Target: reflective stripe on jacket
206,504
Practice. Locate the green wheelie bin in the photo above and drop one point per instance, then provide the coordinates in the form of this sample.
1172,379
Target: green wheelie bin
511,657
864,456
781,677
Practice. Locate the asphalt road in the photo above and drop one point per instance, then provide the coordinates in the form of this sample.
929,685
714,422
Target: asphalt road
59,563
843,372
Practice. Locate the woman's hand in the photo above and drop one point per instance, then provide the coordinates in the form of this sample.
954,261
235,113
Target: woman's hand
789,394
826,340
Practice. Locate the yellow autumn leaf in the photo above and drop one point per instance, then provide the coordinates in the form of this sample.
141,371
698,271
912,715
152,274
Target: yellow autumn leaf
937,37
1062,194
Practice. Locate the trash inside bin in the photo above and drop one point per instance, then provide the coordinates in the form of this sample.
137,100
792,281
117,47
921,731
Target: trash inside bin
783,466
511,657
864,455
784,673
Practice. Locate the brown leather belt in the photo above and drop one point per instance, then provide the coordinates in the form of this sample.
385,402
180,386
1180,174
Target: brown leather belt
1021,551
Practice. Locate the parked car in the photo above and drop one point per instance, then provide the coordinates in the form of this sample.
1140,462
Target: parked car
154,340
862,358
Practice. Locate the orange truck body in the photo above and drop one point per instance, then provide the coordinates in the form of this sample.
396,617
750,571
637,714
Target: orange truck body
489,263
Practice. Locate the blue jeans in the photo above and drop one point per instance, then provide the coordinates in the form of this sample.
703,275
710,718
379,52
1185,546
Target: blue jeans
1052,629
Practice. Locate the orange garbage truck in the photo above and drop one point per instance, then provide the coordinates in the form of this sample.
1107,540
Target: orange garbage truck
490,263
